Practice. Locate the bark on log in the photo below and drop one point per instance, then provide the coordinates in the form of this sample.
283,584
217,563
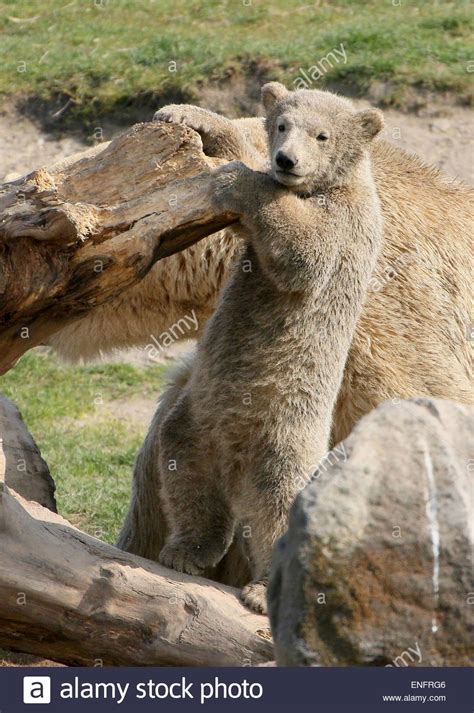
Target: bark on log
69,597
74,236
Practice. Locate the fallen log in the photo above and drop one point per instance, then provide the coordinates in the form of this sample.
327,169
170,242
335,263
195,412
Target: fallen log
76,235
71,598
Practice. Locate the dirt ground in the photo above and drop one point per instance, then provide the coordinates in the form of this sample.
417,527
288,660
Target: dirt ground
7,658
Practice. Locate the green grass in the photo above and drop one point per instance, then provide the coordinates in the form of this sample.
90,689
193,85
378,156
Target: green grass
106,53
89,445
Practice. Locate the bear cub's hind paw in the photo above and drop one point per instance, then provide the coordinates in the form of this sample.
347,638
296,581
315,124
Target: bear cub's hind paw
254,596
182,558
189,557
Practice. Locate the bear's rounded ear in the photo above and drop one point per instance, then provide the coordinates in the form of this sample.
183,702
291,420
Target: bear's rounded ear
371,122
272,93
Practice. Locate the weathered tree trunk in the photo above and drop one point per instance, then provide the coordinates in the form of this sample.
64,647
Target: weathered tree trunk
76,235
71,598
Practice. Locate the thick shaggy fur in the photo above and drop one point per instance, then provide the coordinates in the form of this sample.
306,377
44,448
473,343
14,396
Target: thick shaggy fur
411,338
254,418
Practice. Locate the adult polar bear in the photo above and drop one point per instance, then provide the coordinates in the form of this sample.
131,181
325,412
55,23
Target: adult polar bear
412,337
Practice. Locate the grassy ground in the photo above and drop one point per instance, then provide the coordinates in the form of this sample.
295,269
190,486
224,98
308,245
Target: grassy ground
78,419
106,53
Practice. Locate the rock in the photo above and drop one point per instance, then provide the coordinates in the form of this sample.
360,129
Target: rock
26,471
374,568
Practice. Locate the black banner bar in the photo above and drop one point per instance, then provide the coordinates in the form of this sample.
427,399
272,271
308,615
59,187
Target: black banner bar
358,690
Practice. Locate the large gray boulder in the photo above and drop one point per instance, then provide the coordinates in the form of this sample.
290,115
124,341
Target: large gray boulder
26,471
375,568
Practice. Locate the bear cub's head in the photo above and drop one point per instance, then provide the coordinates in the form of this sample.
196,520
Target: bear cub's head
316,138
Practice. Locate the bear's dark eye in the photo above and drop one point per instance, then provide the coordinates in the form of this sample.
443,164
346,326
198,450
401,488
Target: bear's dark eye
323,136
281,127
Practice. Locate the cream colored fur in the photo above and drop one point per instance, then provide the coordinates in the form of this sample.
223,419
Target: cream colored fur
411,338
241,436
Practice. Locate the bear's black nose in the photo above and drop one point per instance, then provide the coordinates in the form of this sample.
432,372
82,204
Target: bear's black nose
283,161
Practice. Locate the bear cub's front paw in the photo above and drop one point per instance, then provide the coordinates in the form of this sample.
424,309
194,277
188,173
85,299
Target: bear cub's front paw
201,120
232,187
175,114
